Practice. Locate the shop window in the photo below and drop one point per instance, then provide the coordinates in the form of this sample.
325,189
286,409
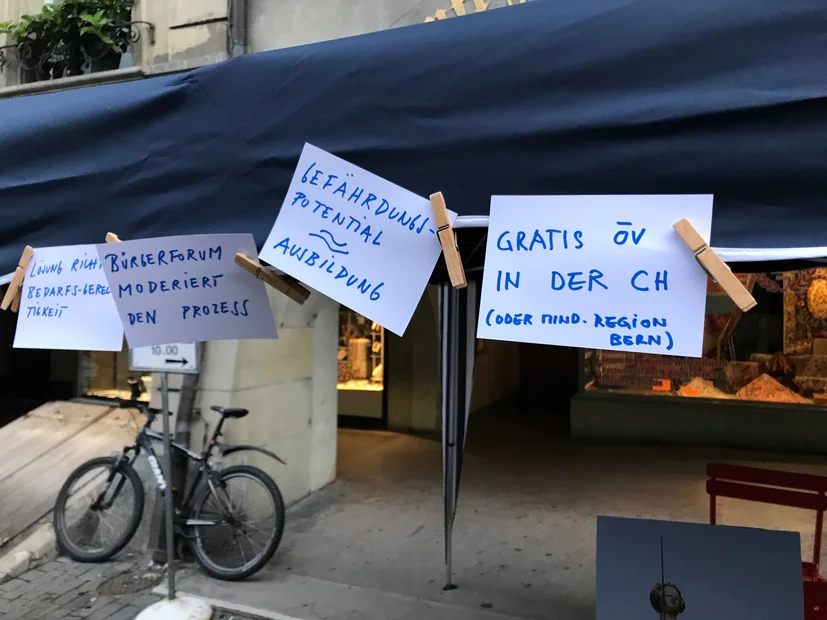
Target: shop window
361,353
106,374
361,368
775,353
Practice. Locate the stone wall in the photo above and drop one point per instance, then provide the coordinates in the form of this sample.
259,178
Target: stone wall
275,25
289,386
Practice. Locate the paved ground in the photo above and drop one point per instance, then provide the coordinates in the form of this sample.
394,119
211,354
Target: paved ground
370,545
65,590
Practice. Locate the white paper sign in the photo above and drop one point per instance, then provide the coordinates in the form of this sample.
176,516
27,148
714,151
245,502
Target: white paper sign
602,272
66,303
186,289
355,237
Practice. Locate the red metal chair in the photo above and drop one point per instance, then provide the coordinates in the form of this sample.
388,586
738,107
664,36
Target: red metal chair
781,488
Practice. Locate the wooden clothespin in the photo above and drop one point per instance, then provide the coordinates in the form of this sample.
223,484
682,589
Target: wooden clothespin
290,288
12,296
448,240
714,266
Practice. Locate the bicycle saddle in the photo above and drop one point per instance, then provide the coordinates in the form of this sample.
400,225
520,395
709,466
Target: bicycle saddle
230,412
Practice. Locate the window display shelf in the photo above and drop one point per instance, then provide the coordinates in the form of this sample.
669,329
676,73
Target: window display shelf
708,422
777,353
364,386
125,394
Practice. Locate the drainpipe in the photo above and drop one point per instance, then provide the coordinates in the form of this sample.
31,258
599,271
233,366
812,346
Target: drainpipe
239,14
183,422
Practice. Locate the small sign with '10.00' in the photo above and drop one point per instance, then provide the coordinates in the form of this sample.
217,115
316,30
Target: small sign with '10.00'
179,357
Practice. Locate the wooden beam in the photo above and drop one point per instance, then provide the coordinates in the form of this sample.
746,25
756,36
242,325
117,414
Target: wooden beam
13,292
292,290
714,266
448,240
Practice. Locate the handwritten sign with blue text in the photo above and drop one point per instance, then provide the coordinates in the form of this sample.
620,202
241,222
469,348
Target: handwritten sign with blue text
601,272
186,289
355,237
66,303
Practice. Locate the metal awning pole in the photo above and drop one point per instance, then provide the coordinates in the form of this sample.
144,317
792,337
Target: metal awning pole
449,342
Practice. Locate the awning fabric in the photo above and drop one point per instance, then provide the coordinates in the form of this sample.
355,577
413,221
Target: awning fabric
595,96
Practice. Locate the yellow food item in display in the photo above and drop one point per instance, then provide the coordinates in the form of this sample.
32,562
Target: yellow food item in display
817,299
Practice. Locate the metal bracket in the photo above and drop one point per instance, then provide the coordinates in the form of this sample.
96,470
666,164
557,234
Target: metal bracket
135,37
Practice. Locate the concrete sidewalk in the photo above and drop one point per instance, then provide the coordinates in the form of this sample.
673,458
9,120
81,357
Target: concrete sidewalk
66,590
295,597
370,546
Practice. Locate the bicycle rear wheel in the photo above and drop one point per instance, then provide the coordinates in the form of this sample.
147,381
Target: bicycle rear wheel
98,510
246,512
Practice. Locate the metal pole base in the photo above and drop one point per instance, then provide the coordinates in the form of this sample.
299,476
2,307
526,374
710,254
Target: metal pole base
181,608
448,587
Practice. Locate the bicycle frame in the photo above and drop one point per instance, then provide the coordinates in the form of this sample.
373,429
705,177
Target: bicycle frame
144,442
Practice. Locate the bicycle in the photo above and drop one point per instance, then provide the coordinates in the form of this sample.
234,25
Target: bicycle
208,506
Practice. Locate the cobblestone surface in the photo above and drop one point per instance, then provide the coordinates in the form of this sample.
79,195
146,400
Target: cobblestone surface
66,590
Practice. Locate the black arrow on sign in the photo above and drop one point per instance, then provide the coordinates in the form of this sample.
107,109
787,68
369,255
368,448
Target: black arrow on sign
182,361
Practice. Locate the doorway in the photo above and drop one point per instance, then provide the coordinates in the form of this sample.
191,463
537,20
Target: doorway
549,378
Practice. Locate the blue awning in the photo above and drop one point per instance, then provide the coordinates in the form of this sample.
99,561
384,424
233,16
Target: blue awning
595,96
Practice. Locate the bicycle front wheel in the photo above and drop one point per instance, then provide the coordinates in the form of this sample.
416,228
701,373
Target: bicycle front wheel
241,521
98,510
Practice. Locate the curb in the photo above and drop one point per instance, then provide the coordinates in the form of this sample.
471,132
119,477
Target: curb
227,606
38,546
